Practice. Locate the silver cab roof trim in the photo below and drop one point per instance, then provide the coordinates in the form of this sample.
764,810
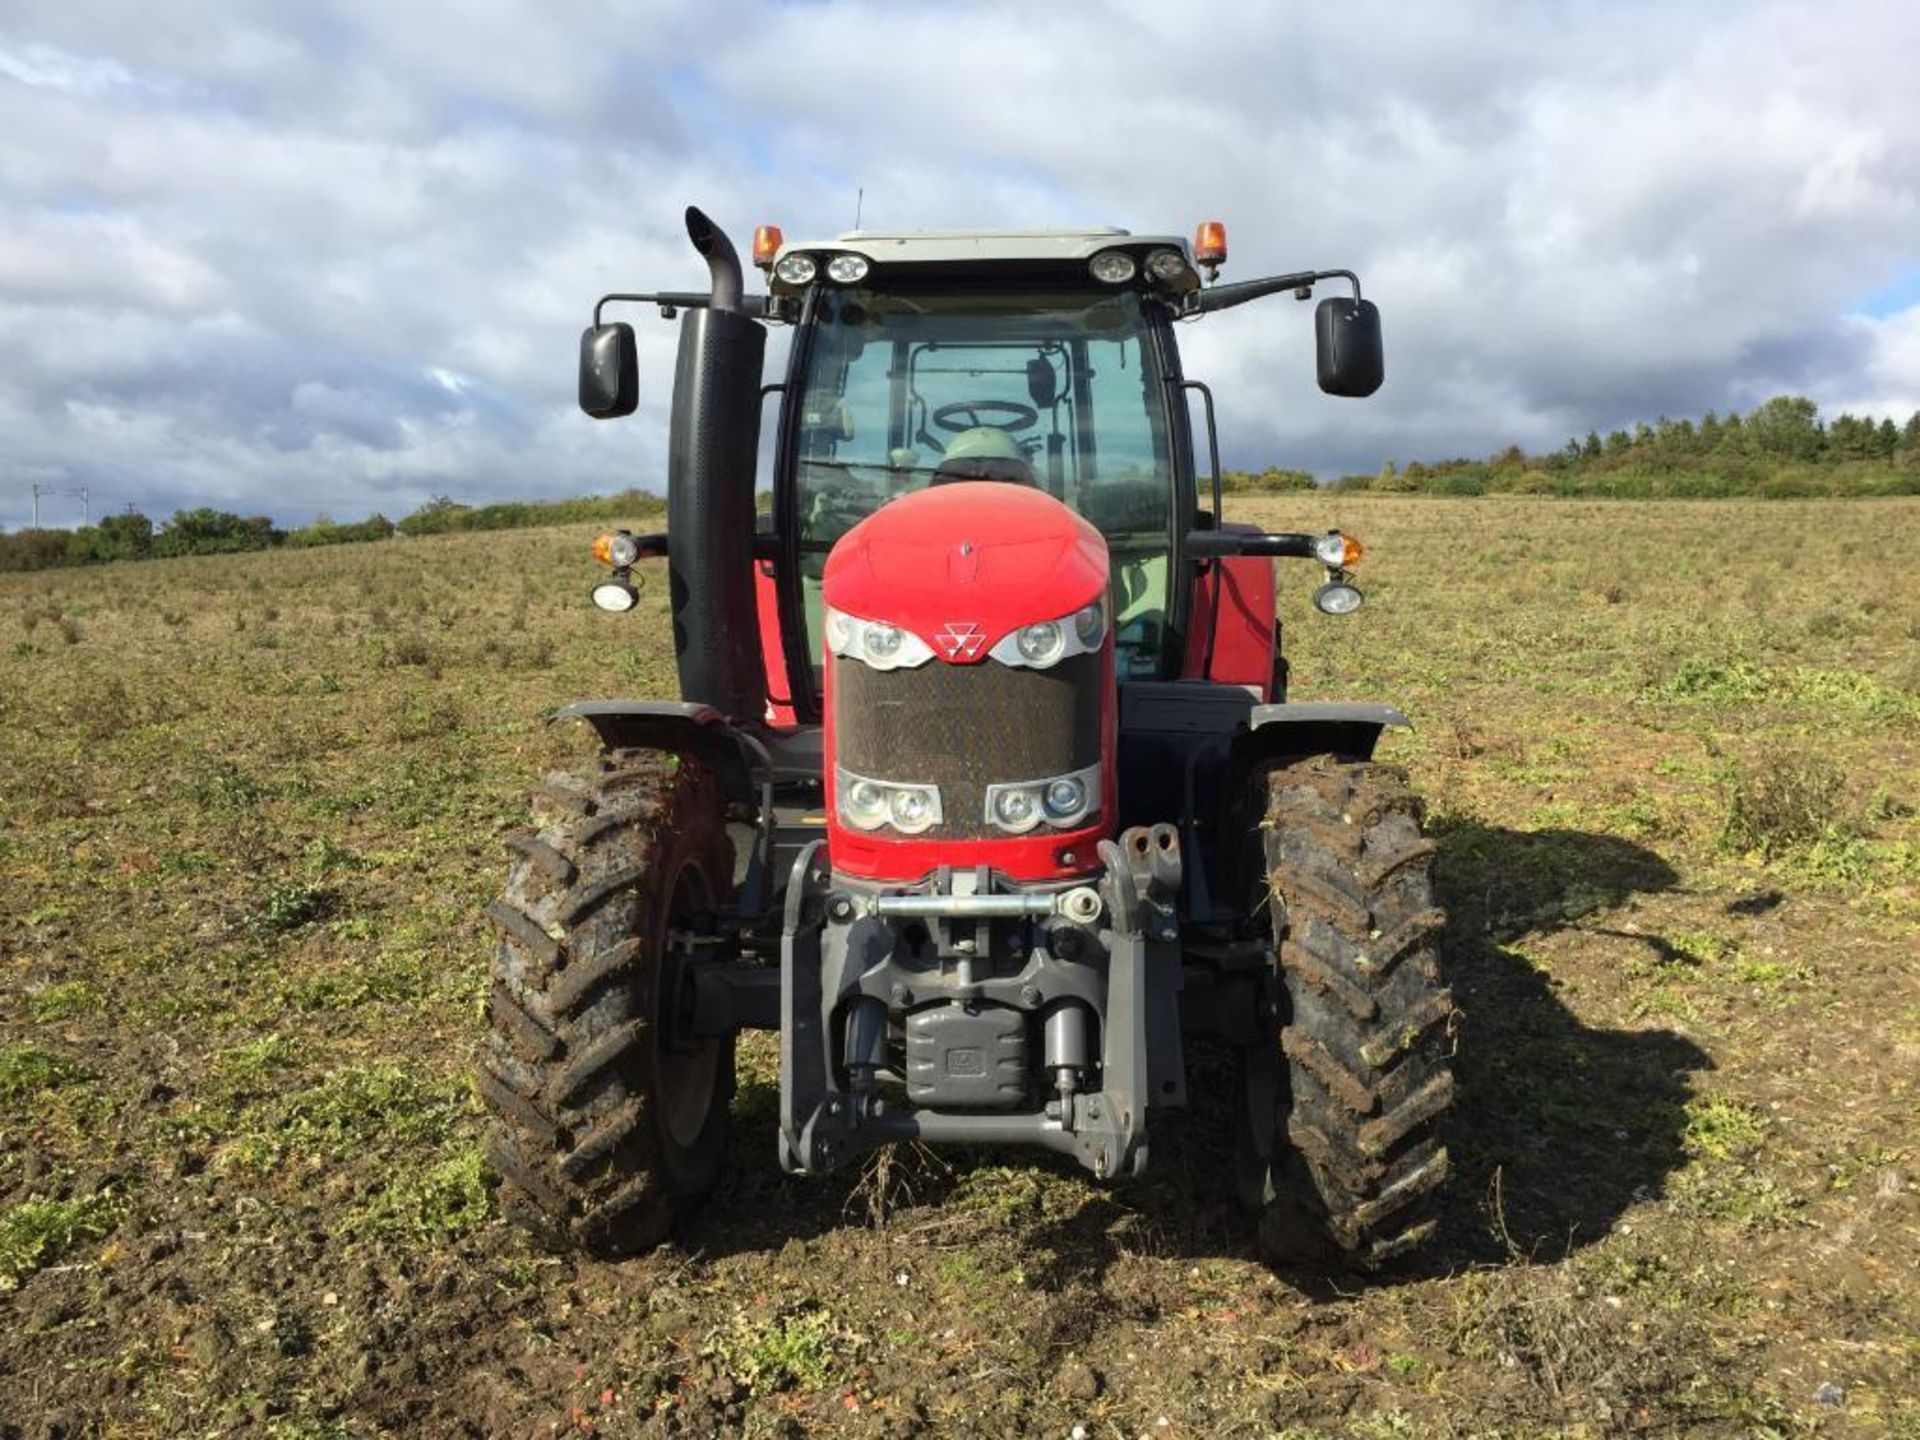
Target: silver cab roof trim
936,246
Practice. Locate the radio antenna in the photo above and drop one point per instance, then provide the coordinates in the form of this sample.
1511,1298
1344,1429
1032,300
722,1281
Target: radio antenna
859,204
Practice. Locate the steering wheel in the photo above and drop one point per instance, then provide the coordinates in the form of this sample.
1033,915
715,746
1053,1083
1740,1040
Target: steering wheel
967,415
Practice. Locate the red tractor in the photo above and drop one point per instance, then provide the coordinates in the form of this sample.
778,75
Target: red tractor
984,790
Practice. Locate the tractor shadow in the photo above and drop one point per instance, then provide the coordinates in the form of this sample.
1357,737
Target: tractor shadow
1558,1127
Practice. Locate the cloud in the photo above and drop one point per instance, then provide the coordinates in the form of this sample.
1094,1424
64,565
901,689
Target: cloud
335,255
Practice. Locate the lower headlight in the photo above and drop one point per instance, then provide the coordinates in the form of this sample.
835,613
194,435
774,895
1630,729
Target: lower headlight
1336,597
1015,809
1062,801
867,804
911,810
614,596
1066,798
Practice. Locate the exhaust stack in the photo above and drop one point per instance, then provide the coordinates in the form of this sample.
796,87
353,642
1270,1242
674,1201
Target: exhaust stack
723,261
713,444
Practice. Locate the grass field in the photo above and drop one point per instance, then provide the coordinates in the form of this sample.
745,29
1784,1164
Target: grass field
253,806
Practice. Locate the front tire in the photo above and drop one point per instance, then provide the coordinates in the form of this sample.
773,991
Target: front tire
604,1130
1368,1040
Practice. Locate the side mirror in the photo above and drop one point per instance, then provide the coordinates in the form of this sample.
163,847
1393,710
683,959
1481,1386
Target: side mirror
609,371
1347,337
1043,386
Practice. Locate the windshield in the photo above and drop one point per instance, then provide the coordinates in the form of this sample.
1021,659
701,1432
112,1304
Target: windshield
1061,390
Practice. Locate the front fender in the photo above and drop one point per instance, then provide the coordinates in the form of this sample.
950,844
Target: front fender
676,727
1319,727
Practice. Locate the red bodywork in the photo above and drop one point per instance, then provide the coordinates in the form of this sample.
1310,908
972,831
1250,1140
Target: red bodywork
962,566
773,647
1243,633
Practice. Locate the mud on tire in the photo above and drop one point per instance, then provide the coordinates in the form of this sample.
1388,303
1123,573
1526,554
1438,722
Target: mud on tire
602,1134
1368,1040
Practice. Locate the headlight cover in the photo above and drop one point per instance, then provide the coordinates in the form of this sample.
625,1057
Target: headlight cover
867,804
1046,643
1061,801
847,269
874,643
797,269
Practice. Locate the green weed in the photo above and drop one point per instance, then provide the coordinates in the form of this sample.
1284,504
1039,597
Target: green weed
349,1112
66,1001
292,905
1783,798
801,1348
1720,1129
438,1203
1700,947
39,1233
27,1070
1755,1202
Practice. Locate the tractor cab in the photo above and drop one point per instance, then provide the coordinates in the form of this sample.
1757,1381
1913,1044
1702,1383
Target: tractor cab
938,365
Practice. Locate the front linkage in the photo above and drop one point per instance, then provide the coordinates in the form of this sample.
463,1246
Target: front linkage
947,984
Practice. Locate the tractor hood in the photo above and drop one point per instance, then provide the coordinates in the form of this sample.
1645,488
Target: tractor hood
964,564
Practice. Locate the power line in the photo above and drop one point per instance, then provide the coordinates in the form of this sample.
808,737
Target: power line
84,494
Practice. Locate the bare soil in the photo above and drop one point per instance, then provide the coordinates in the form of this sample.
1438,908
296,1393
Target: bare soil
251,809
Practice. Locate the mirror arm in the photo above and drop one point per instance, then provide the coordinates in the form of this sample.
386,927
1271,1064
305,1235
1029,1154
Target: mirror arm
754,307
1218,544
1225,297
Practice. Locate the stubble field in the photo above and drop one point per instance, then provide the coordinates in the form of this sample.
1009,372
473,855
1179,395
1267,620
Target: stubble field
251,809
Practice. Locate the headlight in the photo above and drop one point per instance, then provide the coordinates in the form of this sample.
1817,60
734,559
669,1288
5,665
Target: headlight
912,810
1336,597
614,596
1065,798
864,804
868,804
796,269
874,642
847,269
1062,801
1166,264
1337,551
1014,808
1112,267
881,643
1090,624
1045,643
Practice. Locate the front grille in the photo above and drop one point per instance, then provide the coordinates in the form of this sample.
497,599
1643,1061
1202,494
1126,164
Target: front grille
965,727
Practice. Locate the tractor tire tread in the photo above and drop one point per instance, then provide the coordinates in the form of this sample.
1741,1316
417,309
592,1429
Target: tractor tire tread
1368,1038
574,1131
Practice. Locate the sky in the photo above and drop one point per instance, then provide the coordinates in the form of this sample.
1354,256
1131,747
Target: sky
303,257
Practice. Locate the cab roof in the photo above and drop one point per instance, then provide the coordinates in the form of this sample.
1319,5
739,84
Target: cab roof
937,246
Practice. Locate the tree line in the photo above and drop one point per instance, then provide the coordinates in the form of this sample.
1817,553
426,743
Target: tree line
204,531
1782,449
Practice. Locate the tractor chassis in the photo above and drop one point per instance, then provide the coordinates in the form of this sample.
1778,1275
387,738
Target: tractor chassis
969,971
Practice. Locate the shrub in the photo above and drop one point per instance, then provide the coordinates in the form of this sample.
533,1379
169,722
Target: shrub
1782,799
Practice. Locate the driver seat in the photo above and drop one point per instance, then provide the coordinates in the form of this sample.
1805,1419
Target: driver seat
985,452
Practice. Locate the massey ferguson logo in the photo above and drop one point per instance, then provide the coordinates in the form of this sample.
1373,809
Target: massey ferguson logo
961,639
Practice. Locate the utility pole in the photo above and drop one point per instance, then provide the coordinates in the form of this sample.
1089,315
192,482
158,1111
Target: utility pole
86,511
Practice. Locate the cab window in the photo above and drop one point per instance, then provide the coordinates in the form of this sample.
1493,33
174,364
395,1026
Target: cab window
1060,390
